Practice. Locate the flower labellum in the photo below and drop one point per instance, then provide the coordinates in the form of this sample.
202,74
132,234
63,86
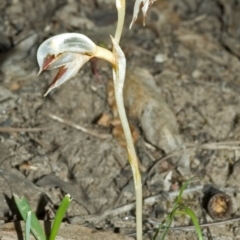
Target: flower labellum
68,52
146,4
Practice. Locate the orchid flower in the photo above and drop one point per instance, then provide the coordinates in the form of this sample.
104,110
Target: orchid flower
146,4
68,52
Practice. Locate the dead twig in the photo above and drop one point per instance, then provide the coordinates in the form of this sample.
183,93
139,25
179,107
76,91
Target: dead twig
191,227
161,160
77,126
153,199
231,145
128,207
164,196
14,130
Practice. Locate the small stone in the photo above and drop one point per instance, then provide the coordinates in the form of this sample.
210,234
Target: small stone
160,58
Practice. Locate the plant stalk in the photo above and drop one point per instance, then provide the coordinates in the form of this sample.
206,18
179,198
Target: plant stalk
121,8
105,54
133,160
119,77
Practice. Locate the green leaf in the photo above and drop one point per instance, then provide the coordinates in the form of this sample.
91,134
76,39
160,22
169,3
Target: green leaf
59,216
28,225
24,208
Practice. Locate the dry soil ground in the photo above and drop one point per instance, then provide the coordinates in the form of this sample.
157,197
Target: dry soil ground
182,94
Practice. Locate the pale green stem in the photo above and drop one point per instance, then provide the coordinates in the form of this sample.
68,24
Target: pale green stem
121,6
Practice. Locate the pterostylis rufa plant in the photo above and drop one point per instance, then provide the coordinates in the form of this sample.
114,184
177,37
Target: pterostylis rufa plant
70,51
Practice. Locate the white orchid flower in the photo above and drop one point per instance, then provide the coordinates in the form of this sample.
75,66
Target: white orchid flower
146,4
68,52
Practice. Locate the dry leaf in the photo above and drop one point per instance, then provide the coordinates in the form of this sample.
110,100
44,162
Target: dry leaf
104,120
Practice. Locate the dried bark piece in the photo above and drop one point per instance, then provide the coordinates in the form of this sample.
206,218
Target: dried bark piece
144,102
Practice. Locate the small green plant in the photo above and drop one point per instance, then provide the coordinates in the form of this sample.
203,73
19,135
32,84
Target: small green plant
178,208
33,224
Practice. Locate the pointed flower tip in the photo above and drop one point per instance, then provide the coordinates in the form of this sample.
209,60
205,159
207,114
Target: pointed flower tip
146,4
131,24
48,91
39,72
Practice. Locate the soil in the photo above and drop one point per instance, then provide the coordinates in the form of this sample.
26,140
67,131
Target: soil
182,96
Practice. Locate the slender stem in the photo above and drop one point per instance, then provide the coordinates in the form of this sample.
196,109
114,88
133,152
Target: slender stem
119,72
119,77
133,162
121,6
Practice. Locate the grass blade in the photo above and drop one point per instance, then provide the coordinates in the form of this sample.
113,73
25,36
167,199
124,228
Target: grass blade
59,216
184,186
167,221
166,224
187,211
24,208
